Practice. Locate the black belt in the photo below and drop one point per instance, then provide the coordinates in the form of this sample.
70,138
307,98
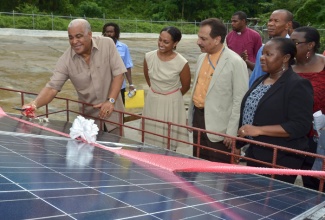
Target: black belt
199,109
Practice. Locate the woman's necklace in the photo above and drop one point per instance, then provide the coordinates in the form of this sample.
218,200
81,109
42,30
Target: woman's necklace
277,75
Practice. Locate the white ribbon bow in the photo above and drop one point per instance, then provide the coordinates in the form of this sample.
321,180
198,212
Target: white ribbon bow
85,129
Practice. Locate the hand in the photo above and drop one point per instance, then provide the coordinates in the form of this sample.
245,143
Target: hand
248,130
189,129
29,109
106,109
228,142
131,87
132,93
244,55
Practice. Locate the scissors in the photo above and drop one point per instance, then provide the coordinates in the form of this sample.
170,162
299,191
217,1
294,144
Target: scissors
19,109
29,112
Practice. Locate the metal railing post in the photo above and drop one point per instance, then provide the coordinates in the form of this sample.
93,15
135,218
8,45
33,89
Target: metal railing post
199,143
68,110
168,135
121,116
33,22
321,180
142,129
52,21
13,18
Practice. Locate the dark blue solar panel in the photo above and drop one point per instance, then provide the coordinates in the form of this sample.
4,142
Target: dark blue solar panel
46,176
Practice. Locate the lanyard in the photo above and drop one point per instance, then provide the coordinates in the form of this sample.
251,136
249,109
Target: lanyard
214,67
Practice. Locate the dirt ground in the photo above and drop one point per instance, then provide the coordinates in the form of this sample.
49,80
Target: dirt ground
26,63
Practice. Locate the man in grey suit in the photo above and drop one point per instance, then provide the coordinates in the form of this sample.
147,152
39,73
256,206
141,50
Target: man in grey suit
221,81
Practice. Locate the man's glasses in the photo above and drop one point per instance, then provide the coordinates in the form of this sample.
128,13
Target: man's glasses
297,43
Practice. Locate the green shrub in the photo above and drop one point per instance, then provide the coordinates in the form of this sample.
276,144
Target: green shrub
89,9
6,21
27,8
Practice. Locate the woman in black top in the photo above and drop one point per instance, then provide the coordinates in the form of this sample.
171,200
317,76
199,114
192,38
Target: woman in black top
278,108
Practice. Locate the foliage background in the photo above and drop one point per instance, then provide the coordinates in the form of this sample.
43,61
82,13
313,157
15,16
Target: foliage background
307,12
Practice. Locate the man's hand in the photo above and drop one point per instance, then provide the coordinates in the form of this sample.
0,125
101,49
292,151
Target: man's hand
106,109
228,142
30,109
189,129
244,55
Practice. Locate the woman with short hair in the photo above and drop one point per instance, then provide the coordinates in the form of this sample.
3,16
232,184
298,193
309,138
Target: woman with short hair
277,109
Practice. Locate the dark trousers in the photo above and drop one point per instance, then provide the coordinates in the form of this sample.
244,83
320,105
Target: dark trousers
292,161
198,122
309,181
123,95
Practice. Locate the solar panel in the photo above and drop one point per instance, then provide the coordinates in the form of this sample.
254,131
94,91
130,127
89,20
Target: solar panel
45,175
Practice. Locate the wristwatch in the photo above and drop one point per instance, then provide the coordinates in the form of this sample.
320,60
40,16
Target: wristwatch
111,100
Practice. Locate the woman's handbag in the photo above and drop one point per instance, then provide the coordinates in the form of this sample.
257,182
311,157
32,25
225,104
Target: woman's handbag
135,101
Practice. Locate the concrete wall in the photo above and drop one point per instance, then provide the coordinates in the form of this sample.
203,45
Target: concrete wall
64,34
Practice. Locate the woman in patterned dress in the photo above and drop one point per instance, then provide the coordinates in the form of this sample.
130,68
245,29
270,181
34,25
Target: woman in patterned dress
277,109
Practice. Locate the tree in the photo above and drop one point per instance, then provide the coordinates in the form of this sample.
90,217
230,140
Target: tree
27,8
9,5
305,11
89,9
63,7
311,13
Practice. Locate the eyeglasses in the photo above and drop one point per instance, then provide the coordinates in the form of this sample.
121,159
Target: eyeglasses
296,43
